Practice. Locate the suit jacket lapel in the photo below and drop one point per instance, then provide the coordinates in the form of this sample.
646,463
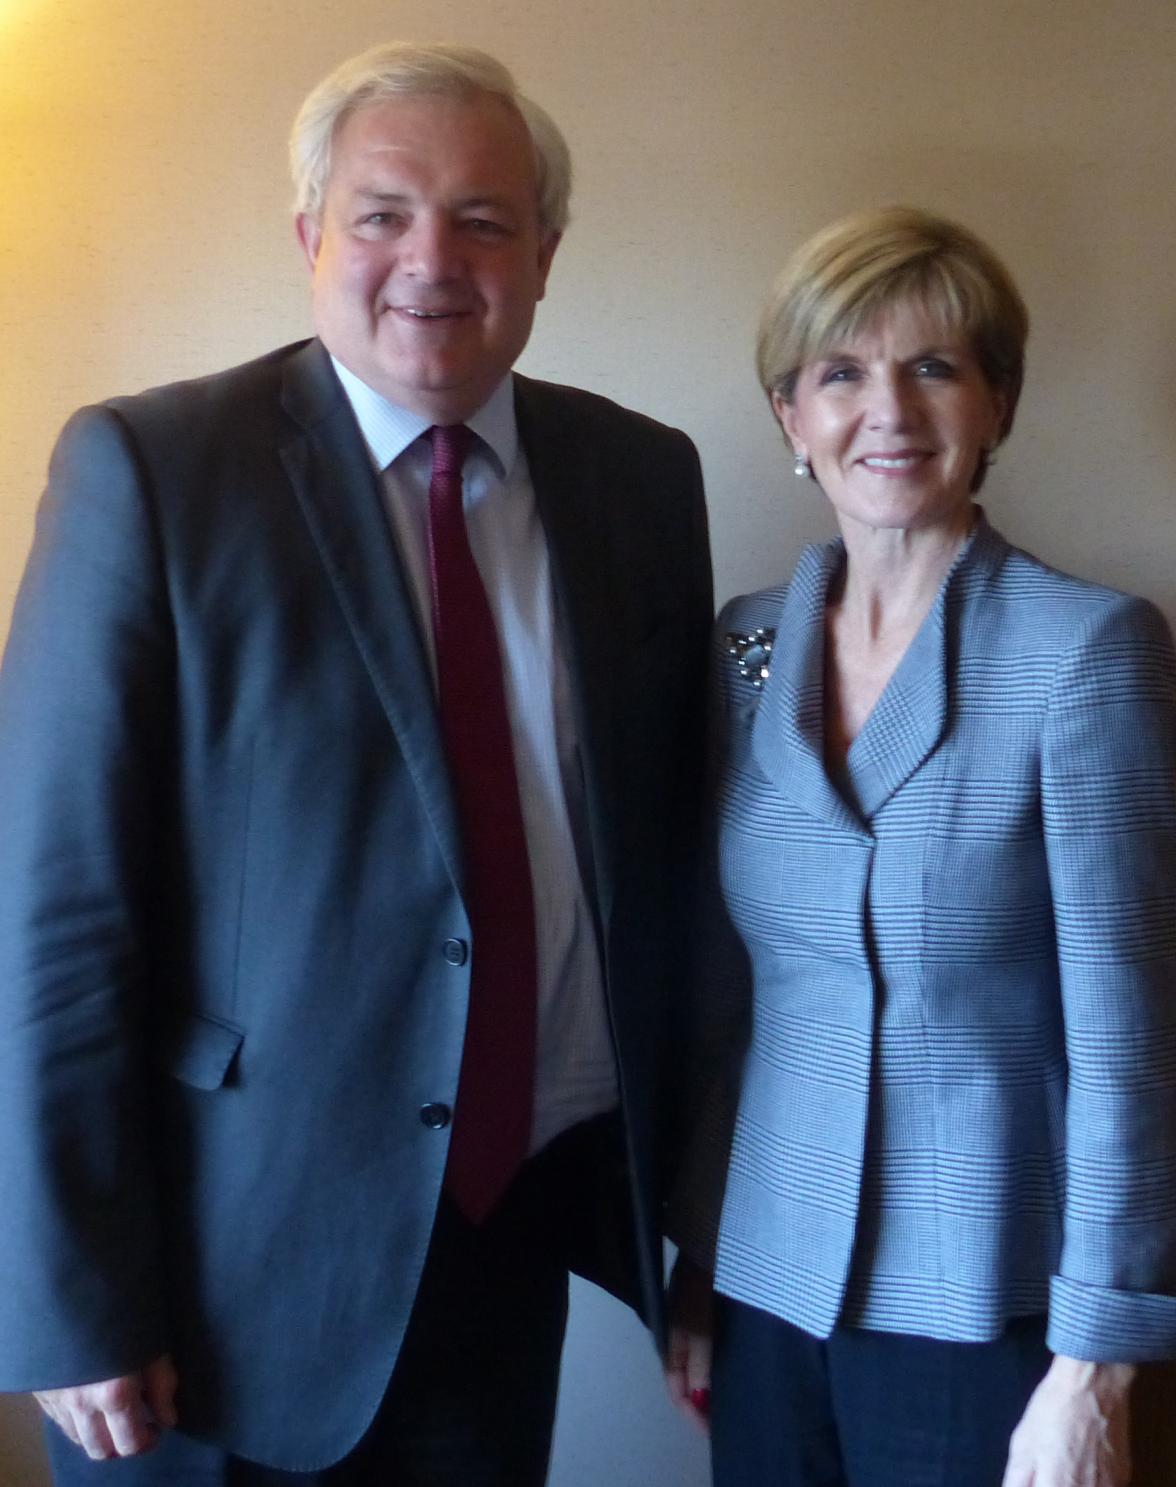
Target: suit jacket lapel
562,462
337,489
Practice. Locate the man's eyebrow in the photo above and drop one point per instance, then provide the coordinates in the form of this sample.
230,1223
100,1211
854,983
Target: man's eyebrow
476,202
486,199
371,193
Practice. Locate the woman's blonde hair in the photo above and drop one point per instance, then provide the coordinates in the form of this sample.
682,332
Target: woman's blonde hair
836,285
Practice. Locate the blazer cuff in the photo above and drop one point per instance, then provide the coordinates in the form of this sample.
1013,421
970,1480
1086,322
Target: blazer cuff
1101,1325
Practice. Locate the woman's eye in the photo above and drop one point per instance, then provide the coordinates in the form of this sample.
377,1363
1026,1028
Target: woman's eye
934,366
839,372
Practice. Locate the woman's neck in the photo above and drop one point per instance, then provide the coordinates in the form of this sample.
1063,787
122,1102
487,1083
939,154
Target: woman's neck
892,576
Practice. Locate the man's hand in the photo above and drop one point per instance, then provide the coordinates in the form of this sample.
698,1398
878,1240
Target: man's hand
688,1356
117,1417
1075,1429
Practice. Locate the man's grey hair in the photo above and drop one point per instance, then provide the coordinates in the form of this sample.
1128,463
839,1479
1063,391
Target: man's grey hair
398,69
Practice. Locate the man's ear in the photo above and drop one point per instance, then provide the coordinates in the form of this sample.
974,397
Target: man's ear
310,235
546,253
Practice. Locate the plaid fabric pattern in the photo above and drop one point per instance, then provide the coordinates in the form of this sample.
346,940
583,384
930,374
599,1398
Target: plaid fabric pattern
953,1090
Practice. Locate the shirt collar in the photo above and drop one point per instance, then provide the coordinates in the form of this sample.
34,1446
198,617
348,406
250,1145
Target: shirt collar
388,430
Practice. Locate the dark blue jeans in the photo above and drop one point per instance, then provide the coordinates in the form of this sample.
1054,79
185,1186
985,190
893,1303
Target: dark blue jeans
866,1409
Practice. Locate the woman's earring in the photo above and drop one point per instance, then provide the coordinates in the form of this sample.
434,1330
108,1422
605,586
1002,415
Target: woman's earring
801,467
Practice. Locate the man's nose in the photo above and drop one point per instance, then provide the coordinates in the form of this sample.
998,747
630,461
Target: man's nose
429,250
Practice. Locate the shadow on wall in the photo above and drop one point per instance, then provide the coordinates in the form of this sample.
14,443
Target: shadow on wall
22,1458
1154,1425
615,1422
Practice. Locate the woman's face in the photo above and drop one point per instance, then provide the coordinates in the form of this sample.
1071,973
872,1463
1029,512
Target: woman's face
893,422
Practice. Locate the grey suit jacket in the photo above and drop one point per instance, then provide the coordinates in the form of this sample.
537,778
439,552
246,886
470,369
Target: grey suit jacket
231,863
948,1013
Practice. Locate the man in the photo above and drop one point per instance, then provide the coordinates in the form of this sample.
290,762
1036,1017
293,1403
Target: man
345,828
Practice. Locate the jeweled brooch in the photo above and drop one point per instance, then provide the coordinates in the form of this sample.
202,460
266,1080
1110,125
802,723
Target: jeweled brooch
752,652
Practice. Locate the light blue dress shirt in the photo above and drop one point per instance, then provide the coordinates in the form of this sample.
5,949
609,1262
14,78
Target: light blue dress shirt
575,1065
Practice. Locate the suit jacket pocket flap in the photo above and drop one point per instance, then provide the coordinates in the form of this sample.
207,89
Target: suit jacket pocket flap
200,1051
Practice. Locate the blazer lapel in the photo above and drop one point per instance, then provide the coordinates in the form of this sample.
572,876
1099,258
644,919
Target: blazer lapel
787,737
562,466
910,717
331,472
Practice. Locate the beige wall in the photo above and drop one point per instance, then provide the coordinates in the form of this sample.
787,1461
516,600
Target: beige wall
144,235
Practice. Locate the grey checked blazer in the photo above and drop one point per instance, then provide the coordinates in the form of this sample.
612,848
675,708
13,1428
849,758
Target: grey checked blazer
947,1013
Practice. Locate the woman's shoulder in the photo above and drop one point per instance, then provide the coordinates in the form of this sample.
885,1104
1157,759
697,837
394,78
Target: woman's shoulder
1021,588
750,625
754,611
762,607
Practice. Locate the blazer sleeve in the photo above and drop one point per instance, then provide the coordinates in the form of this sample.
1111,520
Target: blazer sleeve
1109,817
84,714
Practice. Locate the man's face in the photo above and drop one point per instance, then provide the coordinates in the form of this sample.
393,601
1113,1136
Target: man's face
428,260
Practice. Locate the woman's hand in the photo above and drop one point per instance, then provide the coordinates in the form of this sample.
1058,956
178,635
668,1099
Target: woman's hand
1075,1429
688,1357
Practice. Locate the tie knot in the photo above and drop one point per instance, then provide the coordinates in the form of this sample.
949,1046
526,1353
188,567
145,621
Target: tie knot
451,444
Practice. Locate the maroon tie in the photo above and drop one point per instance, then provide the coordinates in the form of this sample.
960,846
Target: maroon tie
492,1124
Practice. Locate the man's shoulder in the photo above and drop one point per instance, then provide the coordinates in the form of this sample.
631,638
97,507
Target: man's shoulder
248,385
194,428
553,403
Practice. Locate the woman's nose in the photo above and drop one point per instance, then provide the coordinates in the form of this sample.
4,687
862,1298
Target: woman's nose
890,401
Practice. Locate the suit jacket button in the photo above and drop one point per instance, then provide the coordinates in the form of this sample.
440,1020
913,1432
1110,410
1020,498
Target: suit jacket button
436,1117
455,952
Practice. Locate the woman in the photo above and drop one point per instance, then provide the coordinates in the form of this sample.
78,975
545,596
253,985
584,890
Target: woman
939,979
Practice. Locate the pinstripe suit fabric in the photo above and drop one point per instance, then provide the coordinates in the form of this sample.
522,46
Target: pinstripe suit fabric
957,1102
